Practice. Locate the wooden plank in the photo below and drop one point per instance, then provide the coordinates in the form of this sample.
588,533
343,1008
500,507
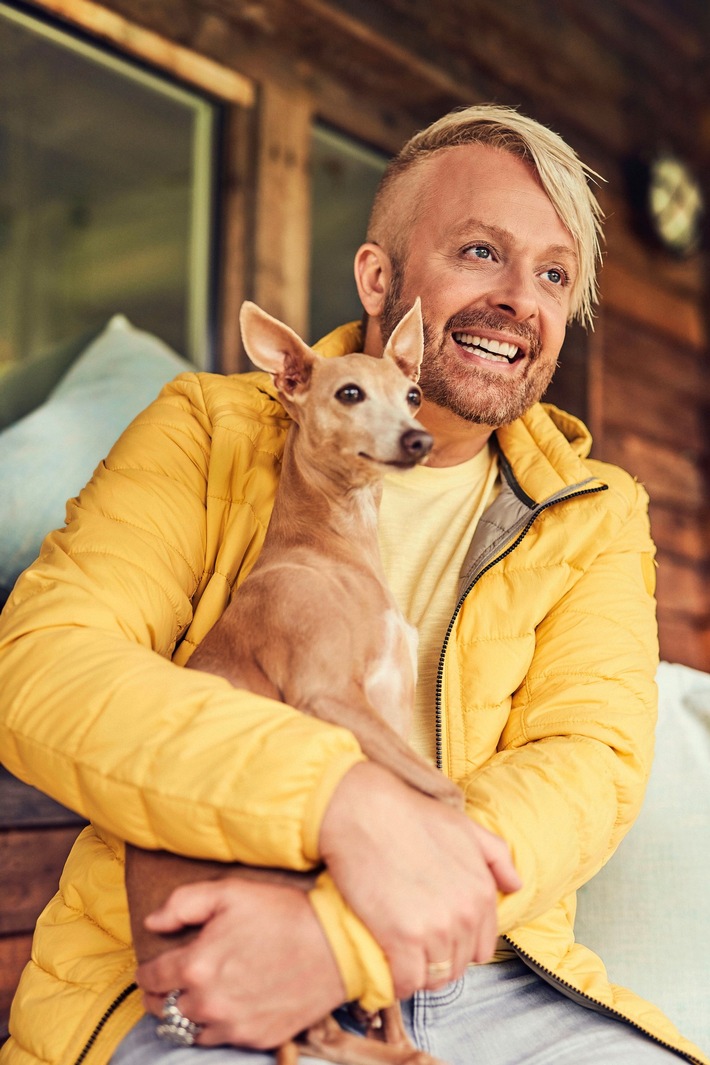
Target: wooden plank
24,807
634,349
416,52
237,206
663,414
672,24
570,385
683,588
596,350
643,300
283,215
680,533
31,863
14,955
134,39
671,478
684,640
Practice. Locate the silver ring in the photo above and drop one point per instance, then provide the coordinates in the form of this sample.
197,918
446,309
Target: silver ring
176,1027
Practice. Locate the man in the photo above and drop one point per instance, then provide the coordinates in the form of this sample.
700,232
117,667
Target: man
530,565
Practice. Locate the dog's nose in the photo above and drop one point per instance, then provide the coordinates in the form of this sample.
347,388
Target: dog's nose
417,443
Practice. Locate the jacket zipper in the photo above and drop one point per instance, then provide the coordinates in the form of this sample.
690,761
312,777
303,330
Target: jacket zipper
118,1001
494,562
546,974
591,1003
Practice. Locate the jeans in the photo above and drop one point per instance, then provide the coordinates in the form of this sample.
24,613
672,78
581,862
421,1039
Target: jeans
498,1014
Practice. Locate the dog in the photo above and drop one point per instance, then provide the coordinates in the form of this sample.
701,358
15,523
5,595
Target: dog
314,624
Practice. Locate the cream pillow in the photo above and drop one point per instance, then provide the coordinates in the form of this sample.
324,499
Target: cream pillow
49,455
647,913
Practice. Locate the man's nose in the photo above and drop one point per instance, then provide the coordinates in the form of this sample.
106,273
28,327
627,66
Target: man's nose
515,294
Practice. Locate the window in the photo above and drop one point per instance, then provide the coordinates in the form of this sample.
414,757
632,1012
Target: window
345,175
106,194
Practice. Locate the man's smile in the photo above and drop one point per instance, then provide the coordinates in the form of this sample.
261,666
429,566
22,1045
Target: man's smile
485,348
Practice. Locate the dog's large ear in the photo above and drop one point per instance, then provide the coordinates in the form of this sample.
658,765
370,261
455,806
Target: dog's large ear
406,344
274,347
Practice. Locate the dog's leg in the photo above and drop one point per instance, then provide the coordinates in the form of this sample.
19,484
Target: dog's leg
328,1041
383,745
393,1026
287,1054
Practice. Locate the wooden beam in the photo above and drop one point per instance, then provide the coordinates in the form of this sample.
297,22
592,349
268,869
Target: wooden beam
235,271
641,299
32,861
283,205
684,640
24,807
671,478
14,955
189,66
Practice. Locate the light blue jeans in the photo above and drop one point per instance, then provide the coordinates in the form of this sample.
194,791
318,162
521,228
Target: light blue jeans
499,1014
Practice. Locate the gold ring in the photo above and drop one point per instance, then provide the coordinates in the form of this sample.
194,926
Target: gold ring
440,968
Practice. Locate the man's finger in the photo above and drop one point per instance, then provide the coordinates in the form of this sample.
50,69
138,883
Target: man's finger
497,857
190,904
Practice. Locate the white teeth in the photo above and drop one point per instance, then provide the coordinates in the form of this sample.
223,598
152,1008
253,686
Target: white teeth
498,349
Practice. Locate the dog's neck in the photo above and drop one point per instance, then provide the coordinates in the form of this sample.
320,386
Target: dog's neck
313,506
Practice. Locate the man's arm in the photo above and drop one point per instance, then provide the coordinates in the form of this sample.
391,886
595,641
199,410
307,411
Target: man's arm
93,711
421,876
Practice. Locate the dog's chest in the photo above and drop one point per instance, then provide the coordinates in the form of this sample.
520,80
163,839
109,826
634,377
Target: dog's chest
391,677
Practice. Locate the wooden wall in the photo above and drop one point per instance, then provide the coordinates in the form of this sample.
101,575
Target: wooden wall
619,79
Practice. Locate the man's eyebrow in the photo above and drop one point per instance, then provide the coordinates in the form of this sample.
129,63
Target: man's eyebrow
472,225
562,250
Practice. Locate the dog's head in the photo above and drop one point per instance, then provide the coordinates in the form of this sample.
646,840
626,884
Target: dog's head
356,411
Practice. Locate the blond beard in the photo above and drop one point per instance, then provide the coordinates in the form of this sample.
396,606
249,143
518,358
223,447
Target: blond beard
471,392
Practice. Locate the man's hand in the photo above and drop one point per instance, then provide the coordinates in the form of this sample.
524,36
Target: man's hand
258,972
421,876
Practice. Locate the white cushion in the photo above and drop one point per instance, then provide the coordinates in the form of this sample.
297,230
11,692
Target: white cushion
49,455
647,913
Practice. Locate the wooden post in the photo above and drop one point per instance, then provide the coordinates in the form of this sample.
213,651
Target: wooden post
236,212
283,210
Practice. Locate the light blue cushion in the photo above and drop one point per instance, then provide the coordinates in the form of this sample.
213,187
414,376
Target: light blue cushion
49,455
647,913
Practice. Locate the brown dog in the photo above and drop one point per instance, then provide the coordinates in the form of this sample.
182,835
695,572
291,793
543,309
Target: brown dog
315,624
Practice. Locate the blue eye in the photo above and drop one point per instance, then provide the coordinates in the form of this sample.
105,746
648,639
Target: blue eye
557,277
480,251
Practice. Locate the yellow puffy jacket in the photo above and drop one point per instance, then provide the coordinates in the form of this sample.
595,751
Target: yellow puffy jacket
545,715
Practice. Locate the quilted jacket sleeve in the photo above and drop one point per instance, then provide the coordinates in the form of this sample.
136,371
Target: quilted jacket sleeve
94,713
574,758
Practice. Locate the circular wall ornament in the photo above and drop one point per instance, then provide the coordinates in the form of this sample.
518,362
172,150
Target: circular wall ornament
675,204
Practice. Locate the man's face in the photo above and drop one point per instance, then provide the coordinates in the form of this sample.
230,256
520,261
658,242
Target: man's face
494,266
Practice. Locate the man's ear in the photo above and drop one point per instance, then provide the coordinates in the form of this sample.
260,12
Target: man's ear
373,275
274,347
406,345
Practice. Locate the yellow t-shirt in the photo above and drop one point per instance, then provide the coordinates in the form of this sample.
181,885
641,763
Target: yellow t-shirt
427,519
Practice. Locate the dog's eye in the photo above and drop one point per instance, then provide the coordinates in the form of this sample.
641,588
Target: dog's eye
350,394
414,397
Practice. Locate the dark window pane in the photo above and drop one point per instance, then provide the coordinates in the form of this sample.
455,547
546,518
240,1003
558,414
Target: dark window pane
104,194
345,176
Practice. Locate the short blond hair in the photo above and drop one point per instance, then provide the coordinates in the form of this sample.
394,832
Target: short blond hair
563,176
